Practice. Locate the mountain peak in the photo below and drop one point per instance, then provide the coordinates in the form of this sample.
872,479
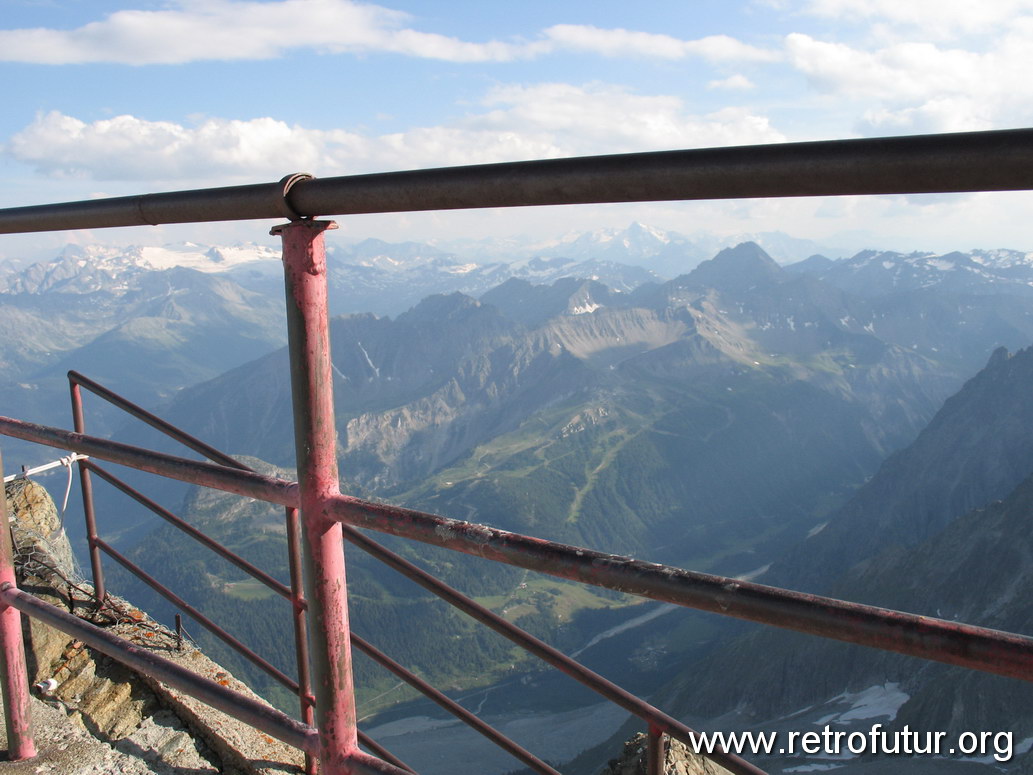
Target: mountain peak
441,306
998,356
738,269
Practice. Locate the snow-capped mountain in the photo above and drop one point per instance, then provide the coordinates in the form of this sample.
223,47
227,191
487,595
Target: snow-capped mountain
389,277
872,272
667,253
89,268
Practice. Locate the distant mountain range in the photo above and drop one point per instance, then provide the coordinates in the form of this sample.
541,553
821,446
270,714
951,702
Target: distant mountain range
727,419
151,320
712,421
668,253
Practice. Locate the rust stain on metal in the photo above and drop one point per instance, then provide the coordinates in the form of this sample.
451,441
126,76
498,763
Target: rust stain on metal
14,678
304,261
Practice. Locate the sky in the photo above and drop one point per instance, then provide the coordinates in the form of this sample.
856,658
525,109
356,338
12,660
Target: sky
117,98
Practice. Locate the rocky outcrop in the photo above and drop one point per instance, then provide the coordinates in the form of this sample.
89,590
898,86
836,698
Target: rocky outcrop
127,722
678,760
38,533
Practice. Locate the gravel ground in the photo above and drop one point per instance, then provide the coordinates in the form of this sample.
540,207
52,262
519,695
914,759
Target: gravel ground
158,747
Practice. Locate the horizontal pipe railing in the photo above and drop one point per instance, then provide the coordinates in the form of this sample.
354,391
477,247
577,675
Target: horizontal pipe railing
977,648
1000,160
199,617
939,640
185,527
253,712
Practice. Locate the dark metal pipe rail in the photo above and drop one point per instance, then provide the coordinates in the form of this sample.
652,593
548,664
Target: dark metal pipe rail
939,640
977,648
999,160
257,714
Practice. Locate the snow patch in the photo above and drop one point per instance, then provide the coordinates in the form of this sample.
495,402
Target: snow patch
369,362
874,702
816,529
194,257
461,268
666,608
756,572
584,309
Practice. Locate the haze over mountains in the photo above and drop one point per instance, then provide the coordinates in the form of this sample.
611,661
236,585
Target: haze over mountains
940,530
188,311
745,417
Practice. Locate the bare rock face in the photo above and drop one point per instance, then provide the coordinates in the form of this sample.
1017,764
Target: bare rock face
37,528
98,695
139,725
678,760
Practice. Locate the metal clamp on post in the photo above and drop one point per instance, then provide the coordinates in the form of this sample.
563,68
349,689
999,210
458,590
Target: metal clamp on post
287,183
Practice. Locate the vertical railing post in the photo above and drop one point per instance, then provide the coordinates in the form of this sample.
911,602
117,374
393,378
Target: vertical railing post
315,437
79,423
13,674
299,619
655,751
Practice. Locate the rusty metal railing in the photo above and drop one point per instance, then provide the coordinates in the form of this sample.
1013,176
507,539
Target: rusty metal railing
302,687
982,161
291,593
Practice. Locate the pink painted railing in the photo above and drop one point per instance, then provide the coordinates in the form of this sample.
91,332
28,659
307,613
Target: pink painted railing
328,518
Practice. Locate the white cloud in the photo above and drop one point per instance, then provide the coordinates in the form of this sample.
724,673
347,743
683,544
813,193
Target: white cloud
130,148
736,82
621,42
608,119
219,29
191,31
920,86
521,122
934,18
229,29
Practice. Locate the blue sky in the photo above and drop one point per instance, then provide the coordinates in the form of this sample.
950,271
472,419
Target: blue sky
105,98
